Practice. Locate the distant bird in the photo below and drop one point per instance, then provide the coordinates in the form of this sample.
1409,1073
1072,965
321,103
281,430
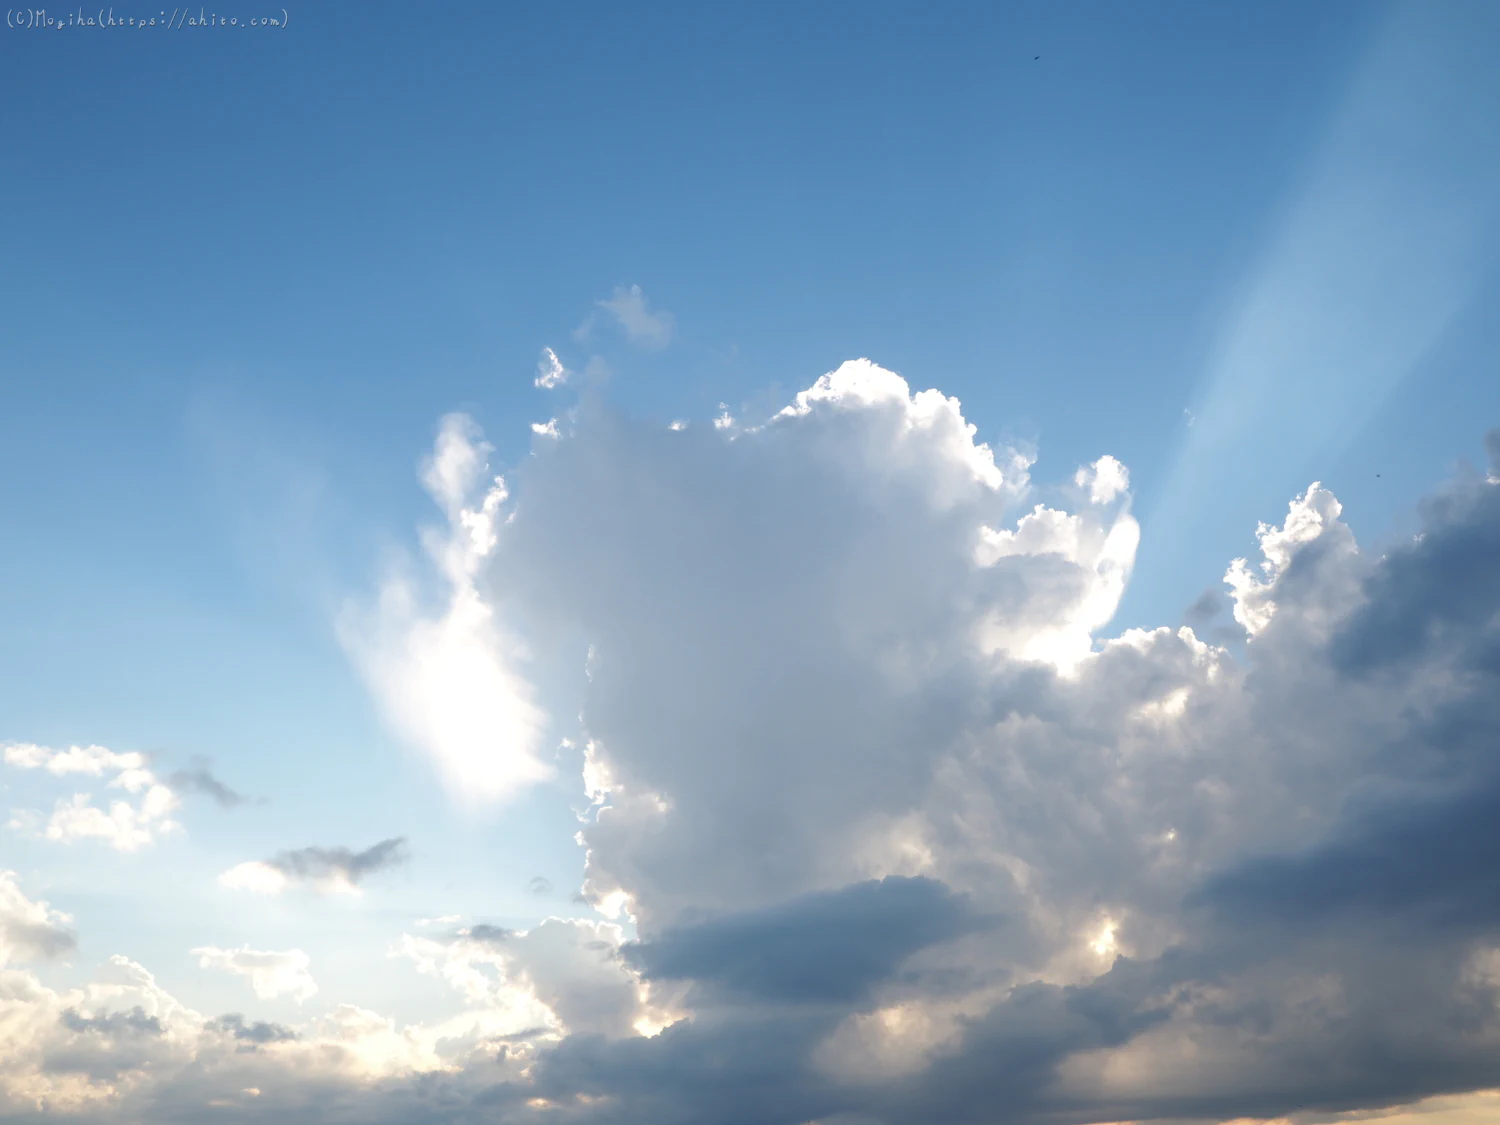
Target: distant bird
1035,57
1377,476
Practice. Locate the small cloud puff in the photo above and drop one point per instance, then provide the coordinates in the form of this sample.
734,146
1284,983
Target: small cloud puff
199,779
1105,479
550,372
325,870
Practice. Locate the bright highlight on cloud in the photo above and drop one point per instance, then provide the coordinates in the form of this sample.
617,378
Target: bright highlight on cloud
449,678
901,832
563,976
1312,518
271,974
255,877
550,372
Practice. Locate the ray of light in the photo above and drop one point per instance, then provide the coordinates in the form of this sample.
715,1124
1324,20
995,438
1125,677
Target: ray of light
1379,250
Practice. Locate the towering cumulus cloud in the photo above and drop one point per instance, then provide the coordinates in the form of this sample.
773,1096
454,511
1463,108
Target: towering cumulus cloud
903,839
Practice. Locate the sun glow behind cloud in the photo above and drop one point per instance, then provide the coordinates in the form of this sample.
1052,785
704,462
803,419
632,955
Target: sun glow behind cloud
449,680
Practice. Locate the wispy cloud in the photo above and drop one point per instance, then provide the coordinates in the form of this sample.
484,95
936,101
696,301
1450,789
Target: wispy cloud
632,313
200,779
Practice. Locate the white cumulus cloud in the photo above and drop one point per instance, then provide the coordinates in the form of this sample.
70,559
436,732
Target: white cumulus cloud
123,824
255,876
271,973
550,371
29,930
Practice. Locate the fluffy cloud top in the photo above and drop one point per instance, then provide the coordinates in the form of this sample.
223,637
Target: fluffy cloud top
847,645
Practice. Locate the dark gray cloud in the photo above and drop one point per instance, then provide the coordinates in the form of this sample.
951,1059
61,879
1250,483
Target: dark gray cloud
1434,866
257,1033
1010,1055
199,779
752,1067
751,1070
487,933
104,1045
1437,595
1208,605
132,1022
30,931
316,863
831,946
42,940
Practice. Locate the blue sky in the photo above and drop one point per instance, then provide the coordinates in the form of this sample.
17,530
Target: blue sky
249,272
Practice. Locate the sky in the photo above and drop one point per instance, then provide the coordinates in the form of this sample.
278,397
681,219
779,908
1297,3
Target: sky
752,564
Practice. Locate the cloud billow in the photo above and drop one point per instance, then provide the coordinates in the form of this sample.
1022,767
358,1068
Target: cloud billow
830,946
846,644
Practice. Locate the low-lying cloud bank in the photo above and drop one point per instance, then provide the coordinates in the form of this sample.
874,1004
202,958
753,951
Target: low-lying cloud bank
902,844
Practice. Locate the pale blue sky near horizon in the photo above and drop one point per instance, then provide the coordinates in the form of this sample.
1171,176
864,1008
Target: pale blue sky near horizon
246,272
